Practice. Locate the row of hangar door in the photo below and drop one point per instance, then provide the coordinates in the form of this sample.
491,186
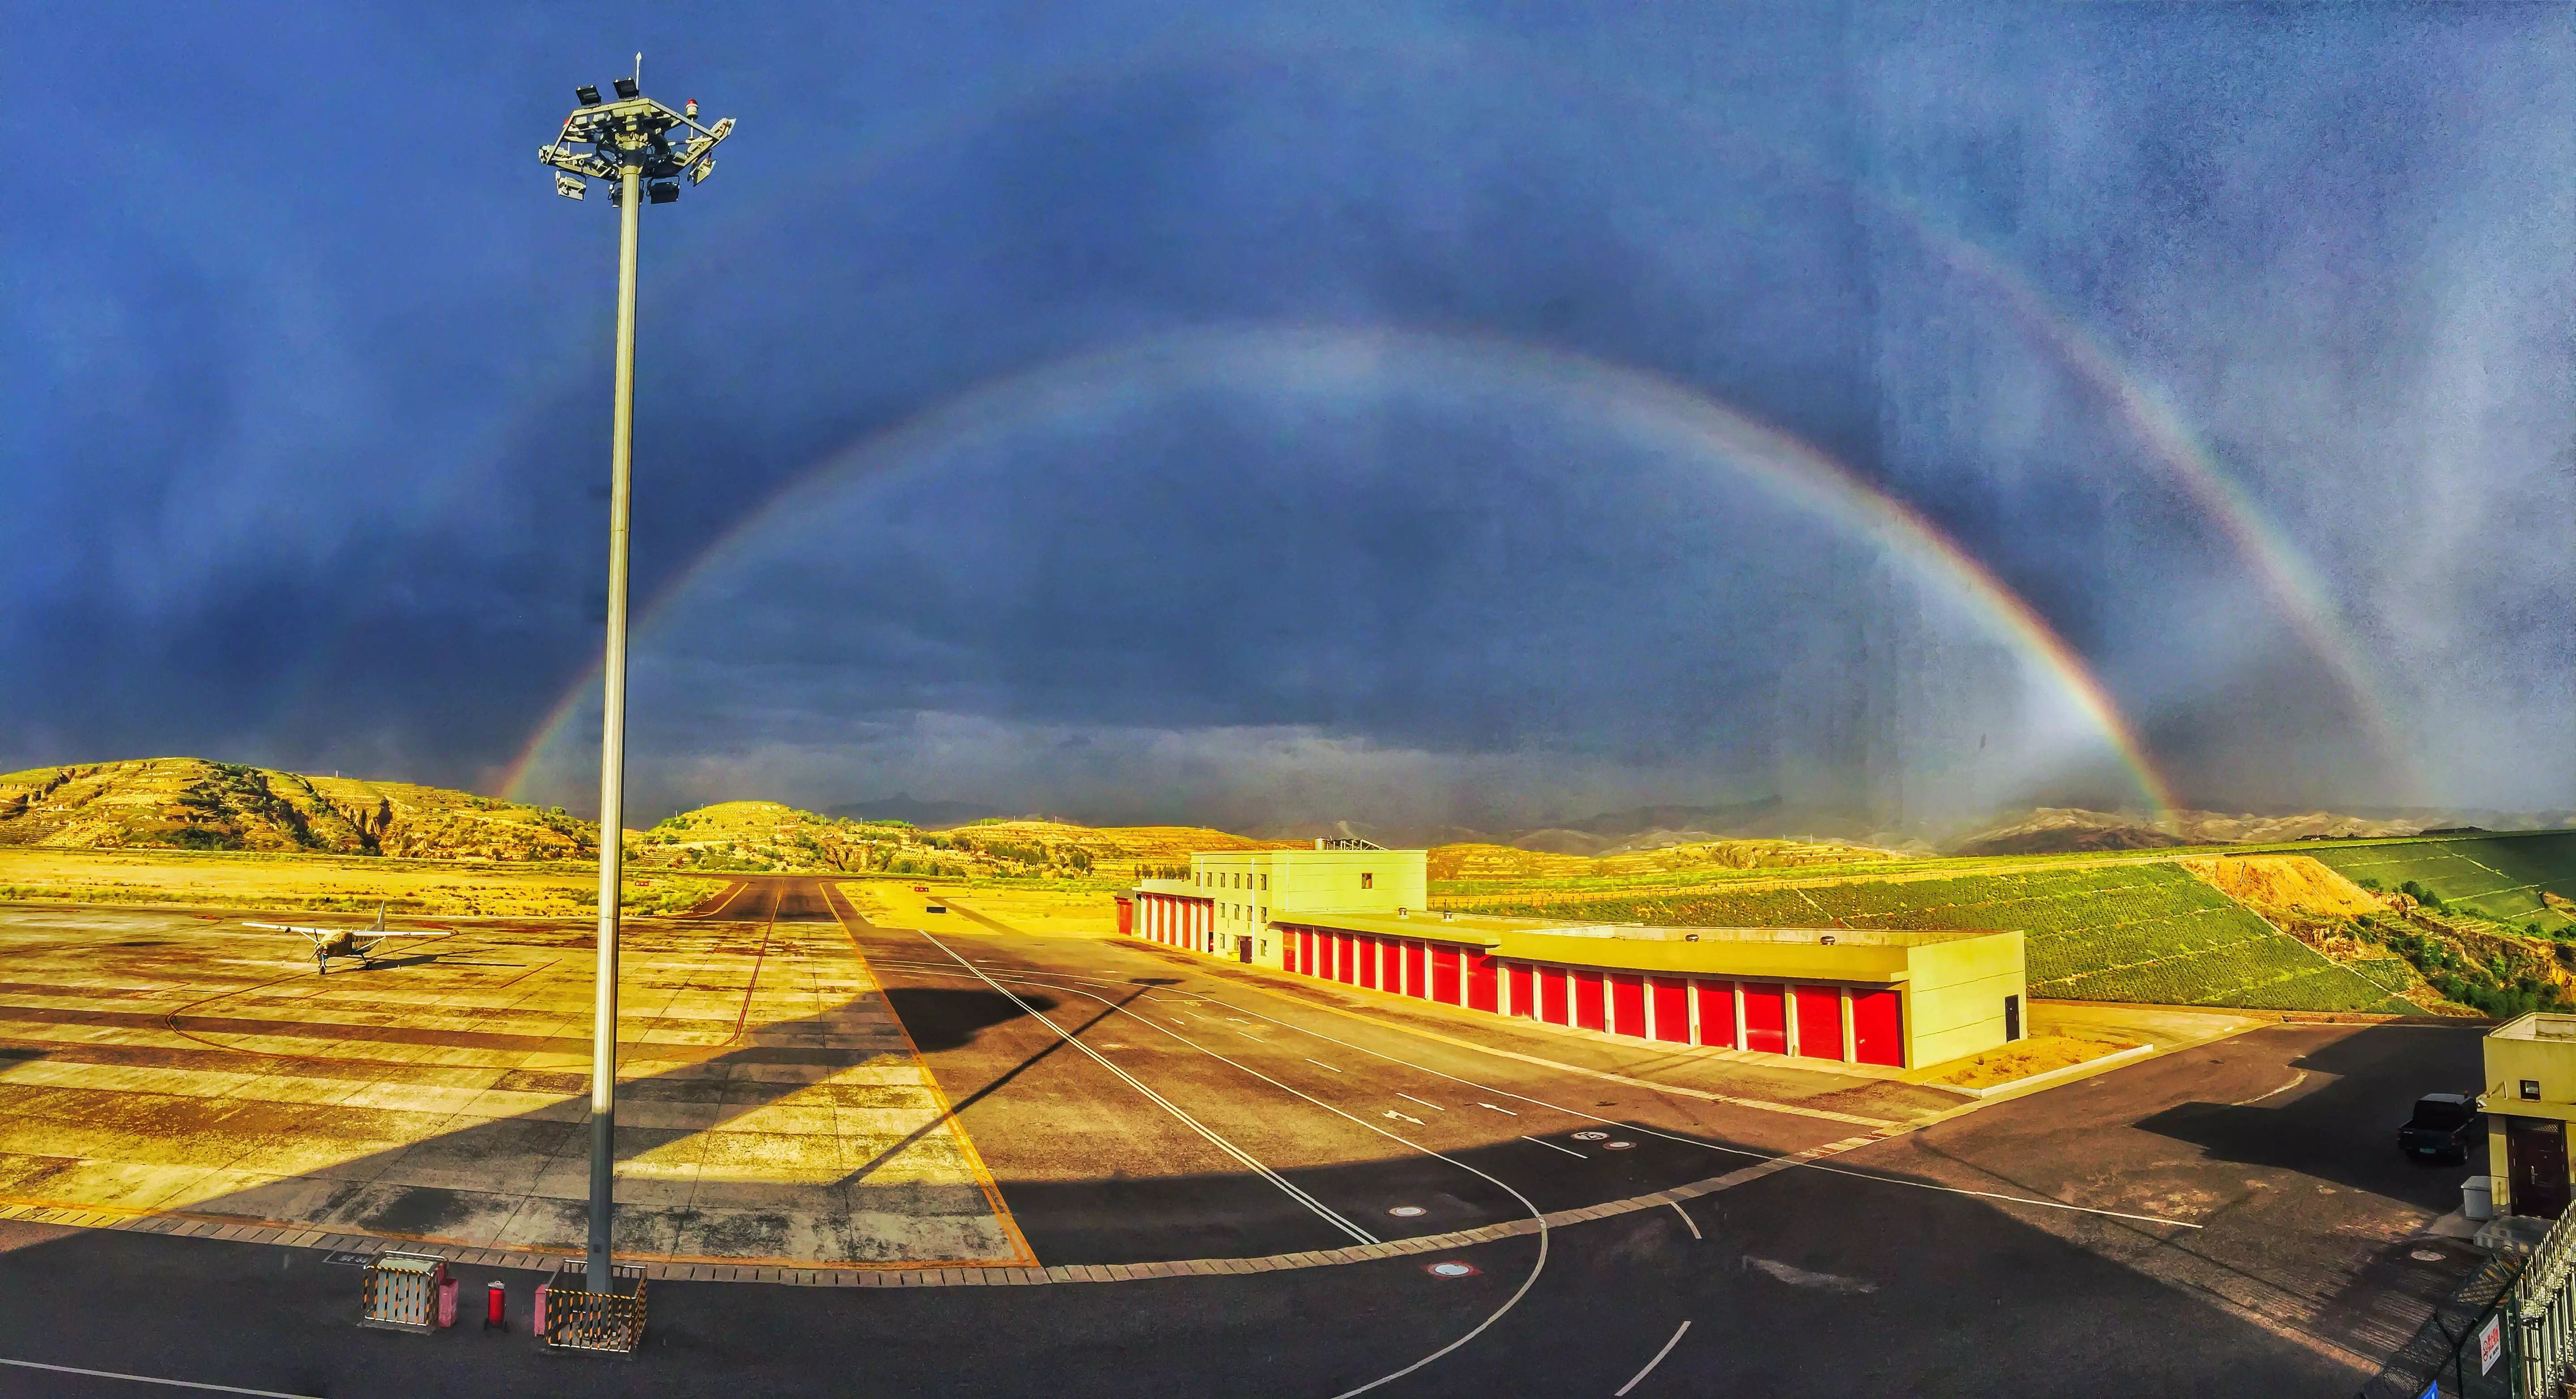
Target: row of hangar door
1851,1024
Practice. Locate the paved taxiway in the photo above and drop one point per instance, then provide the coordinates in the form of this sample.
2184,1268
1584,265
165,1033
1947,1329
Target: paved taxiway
1214,1113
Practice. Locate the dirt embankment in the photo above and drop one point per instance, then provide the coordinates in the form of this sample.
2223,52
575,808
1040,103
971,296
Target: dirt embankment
2297,883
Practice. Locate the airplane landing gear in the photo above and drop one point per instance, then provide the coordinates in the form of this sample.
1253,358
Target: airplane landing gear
321,963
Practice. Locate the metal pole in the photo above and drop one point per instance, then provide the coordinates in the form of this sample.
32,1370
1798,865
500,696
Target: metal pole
612,756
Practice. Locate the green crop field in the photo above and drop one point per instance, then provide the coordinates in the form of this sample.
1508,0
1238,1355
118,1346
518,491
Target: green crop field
2128,931
2499,877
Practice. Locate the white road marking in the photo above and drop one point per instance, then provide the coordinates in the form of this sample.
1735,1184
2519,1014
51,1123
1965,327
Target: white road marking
1783,1160
1651,1364
2284,1088
1435,1107
1570,1151
152,1379
1318,1063
1416,1121
1686,1219
1537,1265
1799,1277
1229,1148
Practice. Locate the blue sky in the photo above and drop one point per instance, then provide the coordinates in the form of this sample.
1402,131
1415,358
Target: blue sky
307,378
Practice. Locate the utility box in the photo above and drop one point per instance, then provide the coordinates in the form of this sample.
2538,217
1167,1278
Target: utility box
402,1292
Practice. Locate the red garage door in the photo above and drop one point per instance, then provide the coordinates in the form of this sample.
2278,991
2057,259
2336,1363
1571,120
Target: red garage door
1628,1004
1716,1012
1348,967
1306,951
1766,1017
1368,962
1878,1028
1554,1006
1414,985
1483,974
1820,1022
1524,981
1587,1000
1672,1009
1444,975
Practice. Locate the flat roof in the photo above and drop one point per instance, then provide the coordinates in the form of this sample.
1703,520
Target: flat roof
1835,954
2537,1025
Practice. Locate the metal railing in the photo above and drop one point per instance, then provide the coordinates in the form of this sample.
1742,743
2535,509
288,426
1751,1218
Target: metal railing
2544,1313
608,1321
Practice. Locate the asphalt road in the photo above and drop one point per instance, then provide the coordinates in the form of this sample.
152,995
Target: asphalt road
2232,1219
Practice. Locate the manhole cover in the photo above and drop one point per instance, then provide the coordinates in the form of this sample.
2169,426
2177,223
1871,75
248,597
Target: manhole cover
1616,1146
1406,1211
1590,1136
1451,1269
2428,1255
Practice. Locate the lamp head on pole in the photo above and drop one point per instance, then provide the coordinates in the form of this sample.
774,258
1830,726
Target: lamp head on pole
601,140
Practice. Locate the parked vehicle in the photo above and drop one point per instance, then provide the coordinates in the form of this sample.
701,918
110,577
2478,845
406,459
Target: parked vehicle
2445,1127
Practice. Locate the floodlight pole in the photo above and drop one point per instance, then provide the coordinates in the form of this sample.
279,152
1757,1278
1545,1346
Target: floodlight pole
631,142
612,754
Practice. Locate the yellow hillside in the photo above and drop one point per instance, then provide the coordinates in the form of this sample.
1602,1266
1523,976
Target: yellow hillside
2296,882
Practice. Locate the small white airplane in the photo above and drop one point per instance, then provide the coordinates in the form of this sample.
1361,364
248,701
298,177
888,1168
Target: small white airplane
360,943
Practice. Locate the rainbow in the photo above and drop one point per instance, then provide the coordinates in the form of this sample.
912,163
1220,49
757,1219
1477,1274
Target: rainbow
1651,407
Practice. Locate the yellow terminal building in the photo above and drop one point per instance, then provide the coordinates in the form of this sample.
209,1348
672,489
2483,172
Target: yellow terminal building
2530,1095
1350,912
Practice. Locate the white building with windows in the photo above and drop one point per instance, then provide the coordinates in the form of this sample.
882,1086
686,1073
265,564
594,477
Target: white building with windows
1226,906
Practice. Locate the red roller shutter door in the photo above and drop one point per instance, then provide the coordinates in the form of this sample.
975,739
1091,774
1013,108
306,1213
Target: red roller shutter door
1368,962
1416,984
1444,975
1627,1004
1305,951
1672,1009
1878,1028
1716,1013
1766,1017
1820,1022
1483,980
1524,990
1587,1000
1554,1005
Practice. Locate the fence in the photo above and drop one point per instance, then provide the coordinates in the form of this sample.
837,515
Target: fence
2508,1332
571,1319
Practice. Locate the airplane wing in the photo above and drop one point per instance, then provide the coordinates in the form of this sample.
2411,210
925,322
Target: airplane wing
362,931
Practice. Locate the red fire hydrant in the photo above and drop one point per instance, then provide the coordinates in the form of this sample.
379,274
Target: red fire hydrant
496,1302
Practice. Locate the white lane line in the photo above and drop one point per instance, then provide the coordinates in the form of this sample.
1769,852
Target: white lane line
2284,1088
152,1379
1537,1265
1686,1219
1777,1161
1256,1039
1229,1148
1318,1063
1651,1364
1179,1021
1426,1102
1570,1151
1886,1132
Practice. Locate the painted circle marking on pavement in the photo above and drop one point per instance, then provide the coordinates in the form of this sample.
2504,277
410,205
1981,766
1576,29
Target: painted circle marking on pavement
1406,1211
1616,1146
2428,1255
1591,1136
1451,1269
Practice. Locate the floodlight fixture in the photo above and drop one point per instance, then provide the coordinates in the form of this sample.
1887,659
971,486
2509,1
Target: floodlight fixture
641,148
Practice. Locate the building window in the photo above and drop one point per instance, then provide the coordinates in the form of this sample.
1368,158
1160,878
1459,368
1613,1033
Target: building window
1368,881
1265,881
2531,1090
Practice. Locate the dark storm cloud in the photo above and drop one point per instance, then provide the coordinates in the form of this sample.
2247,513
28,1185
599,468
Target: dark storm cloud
307,396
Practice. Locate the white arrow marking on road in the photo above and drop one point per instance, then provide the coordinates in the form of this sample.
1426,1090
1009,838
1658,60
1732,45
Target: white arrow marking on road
1416,1121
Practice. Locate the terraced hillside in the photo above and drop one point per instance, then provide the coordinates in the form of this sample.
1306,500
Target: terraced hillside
2506,878
2130,930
